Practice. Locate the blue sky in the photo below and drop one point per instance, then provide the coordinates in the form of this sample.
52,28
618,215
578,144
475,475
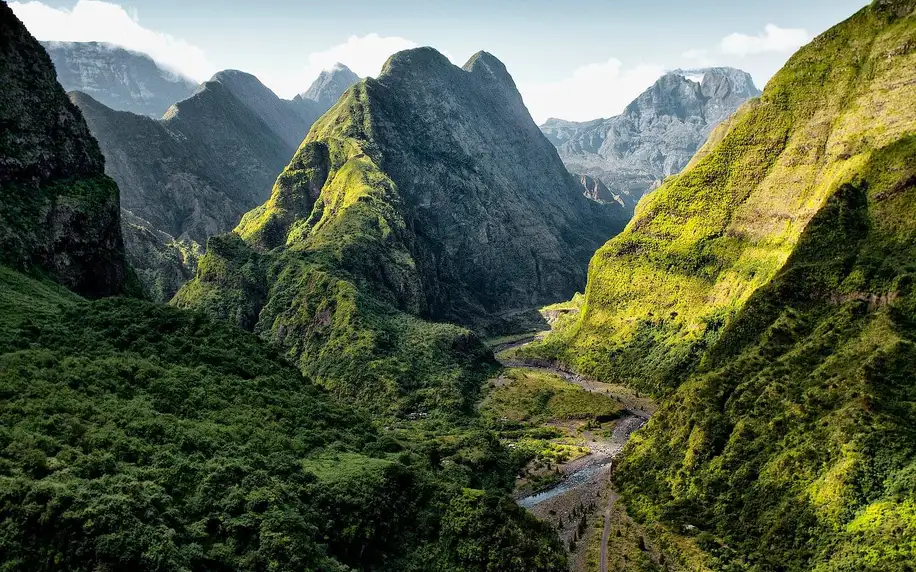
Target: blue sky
576,59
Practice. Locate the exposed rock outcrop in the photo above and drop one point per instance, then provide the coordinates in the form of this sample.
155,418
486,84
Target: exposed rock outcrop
118,78
656,135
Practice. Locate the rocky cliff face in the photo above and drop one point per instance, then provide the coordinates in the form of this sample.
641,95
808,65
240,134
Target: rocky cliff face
656,135
324,92
59,211
120,79
767,293
427,193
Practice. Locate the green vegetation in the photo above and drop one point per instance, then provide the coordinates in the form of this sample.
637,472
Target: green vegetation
767,292
58,210
350,271
143,436
531,398
661,293
796,445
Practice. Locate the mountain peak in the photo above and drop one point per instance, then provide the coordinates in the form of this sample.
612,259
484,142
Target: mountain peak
330,85
408,63
486,64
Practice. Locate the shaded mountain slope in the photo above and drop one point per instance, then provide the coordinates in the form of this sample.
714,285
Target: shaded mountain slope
656,135
768,292
120,79
427,193
193,173
59,211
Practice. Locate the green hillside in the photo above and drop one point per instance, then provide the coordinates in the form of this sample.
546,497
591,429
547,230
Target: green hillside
661,292
136,436
768,293
142,436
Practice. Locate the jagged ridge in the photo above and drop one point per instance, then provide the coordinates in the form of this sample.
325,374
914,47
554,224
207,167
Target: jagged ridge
425,193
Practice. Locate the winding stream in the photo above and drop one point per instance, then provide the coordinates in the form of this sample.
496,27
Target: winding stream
582,472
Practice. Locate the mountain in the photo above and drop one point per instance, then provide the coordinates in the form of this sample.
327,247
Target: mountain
118,78
766,294
60,212
425,194
656,135
193,173
138,436
330,85
324,92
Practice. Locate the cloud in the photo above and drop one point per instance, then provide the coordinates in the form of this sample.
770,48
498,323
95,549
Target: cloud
93,21
365,55
699,57
591,91
772,39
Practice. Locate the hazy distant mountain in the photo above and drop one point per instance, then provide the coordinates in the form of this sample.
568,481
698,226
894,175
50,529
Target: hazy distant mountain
193,173
656,135
121,79
213,156
330,85
324,92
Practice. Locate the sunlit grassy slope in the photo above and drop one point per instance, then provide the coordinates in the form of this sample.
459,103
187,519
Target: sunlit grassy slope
768,292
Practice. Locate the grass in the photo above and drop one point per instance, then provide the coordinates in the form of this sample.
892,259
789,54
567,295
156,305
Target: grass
531,398
766,292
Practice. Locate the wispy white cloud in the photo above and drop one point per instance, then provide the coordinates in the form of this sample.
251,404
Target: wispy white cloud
772,39
590,91
94,21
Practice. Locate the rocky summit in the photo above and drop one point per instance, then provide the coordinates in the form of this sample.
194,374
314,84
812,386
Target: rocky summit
59,212
425,194
135,436
121,79
656,135
330,85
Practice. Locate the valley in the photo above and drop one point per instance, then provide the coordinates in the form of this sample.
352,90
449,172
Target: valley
393,323
580,427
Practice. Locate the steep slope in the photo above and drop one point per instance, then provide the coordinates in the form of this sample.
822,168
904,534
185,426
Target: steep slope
59,211
120,79
324,92
771,284
426,193
137,436
193,173
279,114
657,133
